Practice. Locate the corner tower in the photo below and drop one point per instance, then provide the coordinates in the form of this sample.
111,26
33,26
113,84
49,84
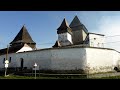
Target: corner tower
64,34
79,31
23,37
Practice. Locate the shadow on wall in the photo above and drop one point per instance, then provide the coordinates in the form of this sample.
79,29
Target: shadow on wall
117,69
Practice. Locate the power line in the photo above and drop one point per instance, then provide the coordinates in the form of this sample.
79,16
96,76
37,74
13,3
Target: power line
112,42
48,43
45,43
111,36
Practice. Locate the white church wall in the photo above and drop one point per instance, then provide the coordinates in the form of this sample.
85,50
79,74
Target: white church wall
101,60
97,59
68,59
1,61
54,59
96,40
42,58
116,57
65,39
11,64
69,37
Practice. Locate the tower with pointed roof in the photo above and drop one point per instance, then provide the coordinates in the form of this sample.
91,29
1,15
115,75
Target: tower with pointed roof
23,37
64,34
79,31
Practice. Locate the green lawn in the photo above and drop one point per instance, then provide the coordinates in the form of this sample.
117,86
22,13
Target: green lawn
42,77
24,77
111,77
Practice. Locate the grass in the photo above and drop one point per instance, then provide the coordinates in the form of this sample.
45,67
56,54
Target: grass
11,76
24,77
41,77
111,77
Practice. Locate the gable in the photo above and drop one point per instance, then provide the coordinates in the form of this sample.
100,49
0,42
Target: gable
25,48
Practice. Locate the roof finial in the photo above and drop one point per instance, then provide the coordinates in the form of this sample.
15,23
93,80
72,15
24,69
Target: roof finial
23,25
76,14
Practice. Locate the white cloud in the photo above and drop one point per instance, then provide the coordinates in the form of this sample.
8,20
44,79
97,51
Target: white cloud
110,26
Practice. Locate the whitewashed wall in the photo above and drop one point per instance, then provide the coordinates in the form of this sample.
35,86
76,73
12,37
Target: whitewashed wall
65,39
116,59
42,58
68,59
13,55
96,40
69,37
94,59
101,60
55,59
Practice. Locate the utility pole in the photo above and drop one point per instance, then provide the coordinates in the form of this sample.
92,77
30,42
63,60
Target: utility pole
6,62
7,53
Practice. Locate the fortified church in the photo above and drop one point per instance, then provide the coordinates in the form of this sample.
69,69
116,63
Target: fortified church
75,50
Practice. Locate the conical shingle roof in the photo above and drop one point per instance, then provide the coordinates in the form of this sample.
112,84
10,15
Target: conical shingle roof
75,22
23,37
77,25
57,44
64,27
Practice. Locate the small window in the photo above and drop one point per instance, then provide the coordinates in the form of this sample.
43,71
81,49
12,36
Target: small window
9,59
94,38
4,60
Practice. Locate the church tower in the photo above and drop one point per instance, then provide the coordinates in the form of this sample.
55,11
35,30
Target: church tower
79,31
23,37
64,34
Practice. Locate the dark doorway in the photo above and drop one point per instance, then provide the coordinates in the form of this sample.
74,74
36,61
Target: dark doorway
22,63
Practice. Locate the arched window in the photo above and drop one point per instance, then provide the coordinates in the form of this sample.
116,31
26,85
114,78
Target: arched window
4,60
22,63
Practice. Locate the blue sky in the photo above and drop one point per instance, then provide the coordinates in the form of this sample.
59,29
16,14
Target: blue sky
42,25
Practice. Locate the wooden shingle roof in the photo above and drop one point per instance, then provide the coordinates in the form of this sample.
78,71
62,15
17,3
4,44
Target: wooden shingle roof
75,24
22,37
57,44
64,27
